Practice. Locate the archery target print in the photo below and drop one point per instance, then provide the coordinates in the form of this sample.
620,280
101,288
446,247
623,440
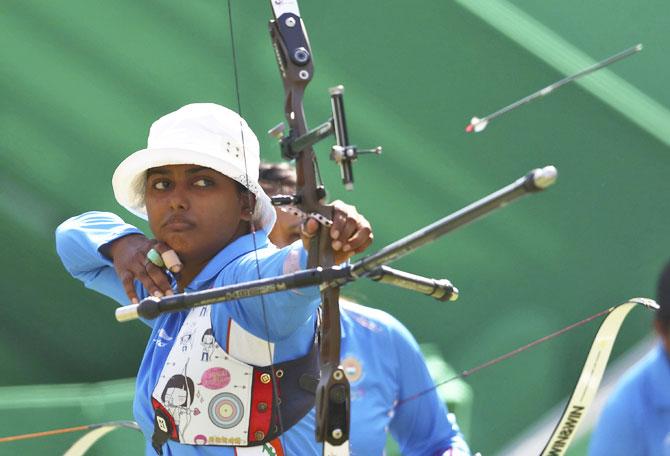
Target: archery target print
226,410
212,407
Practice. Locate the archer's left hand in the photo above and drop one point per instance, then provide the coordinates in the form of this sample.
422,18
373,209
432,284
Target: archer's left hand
350,233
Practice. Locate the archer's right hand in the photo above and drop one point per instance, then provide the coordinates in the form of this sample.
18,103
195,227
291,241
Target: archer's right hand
129,254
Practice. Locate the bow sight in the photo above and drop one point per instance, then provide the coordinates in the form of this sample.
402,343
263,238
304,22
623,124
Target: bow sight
342,152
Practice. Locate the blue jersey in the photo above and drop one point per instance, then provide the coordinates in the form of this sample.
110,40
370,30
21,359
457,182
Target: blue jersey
380,357
636,419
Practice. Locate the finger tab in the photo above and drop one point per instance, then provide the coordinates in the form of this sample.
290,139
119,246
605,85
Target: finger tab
172,261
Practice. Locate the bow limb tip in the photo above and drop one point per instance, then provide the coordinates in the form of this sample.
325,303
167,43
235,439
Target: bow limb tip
647,302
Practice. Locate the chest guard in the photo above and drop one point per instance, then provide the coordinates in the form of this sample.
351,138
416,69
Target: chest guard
204,396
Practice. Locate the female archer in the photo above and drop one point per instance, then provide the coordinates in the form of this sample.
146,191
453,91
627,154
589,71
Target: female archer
197,184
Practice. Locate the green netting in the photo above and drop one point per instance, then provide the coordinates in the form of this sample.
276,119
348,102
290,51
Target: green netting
38,408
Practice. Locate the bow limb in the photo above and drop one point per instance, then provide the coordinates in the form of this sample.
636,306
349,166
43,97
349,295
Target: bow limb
95,433
590,377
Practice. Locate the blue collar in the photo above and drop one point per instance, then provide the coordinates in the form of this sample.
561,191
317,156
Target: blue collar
240,246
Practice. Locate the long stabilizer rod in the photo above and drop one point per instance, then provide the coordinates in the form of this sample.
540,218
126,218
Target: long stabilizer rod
535,181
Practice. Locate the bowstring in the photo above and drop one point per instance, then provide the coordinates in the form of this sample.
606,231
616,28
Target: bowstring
273,376
510,354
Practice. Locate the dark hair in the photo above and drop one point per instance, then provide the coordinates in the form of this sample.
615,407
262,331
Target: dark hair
182,382
208,332
277,178
241,188
663,297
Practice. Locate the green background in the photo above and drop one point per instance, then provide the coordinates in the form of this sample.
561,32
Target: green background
81,81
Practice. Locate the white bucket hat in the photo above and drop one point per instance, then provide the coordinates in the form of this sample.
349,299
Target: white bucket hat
204,134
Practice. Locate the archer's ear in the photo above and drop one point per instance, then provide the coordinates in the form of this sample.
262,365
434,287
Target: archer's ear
247,205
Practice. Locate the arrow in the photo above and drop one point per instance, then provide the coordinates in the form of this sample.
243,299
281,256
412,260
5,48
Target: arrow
476,124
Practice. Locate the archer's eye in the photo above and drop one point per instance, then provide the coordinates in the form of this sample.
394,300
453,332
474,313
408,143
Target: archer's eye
161,185
202,182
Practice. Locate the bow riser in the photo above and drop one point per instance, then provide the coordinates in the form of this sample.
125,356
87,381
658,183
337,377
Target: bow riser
294,58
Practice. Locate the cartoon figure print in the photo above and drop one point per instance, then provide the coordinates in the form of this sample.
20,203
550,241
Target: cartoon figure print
186,341
177,397
208,344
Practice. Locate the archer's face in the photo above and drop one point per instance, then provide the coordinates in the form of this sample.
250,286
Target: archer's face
197,211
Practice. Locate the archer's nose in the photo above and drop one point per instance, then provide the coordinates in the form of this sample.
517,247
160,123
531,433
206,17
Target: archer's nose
179,200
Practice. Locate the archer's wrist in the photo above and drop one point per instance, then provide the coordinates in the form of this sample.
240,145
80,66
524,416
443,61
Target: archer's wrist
110,249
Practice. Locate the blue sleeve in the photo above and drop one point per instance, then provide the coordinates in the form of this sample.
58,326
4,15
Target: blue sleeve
421,425
286,311
78,243
616,433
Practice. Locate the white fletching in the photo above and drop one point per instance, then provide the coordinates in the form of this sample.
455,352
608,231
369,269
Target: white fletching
478,124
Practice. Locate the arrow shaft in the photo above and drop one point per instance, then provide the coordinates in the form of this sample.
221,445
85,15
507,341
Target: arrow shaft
551,87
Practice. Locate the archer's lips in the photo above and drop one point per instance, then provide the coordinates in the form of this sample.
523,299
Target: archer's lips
178,224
